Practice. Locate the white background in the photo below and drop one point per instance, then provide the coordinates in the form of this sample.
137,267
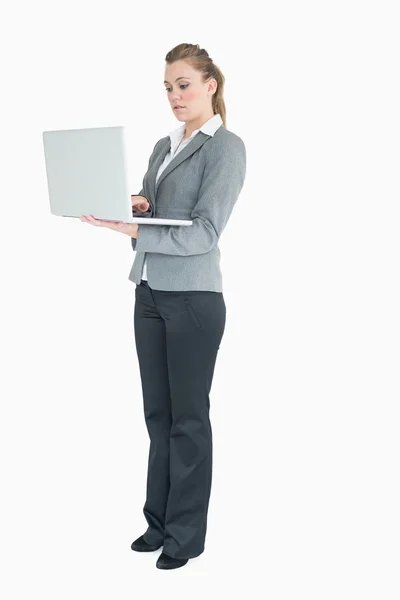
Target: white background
305,397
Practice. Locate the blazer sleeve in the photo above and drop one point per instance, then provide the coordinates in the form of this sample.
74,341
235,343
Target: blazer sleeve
150,212
222,181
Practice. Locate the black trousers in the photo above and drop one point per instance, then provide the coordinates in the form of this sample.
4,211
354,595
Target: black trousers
177,337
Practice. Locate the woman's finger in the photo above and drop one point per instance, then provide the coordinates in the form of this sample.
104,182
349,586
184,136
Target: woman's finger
96,222
114,225
93,220
87,219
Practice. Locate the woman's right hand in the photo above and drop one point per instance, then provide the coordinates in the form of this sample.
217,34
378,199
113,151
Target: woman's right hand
140,203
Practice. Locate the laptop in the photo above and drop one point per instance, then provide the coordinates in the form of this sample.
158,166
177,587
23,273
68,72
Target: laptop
87,175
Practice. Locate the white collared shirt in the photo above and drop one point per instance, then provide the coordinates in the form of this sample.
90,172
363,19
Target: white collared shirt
209,127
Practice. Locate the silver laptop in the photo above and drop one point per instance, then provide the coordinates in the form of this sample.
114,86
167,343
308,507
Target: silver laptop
87,175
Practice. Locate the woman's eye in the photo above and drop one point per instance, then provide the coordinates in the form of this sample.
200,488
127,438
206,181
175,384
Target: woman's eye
184,85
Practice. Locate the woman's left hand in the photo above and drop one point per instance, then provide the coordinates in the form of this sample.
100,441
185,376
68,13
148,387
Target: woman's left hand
130,229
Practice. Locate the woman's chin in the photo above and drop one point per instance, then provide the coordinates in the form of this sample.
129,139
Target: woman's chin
179,115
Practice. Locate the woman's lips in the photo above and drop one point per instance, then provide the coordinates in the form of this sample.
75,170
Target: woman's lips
179,107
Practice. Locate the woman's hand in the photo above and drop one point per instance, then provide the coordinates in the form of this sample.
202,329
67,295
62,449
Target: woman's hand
140,203
131,229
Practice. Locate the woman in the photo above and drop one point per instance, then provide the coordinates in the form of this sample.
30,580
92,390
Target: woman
197,173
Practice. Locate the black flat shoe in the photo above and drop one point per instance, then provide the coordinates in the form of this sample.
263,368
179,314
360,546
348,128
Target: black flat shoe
140,545
169,562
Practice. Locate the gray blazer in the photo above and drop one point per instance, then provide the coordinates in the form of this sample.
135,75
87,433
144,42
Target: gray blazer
202,182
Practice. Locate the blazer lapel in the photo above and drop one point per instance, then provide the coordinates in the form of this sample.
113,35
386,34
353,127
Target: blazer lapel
187,151
157,163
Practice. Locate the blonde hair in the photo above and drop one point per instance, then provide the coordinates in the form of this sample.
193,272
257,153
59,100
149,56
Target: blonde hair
199,59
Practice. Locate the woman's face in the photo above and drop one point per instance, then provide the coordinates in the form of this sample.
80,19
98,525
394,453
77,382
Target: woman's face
185,88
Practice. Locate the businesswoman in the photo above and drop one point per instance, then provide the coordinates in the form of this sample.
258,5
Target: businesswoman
196,173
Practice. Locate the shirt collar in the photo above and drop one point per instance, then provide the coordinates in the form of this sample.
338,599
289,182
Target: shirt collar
209,127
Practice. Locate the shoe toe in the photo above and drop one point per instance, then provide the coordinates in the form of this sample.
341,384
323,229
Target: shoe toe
140,545
169,562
